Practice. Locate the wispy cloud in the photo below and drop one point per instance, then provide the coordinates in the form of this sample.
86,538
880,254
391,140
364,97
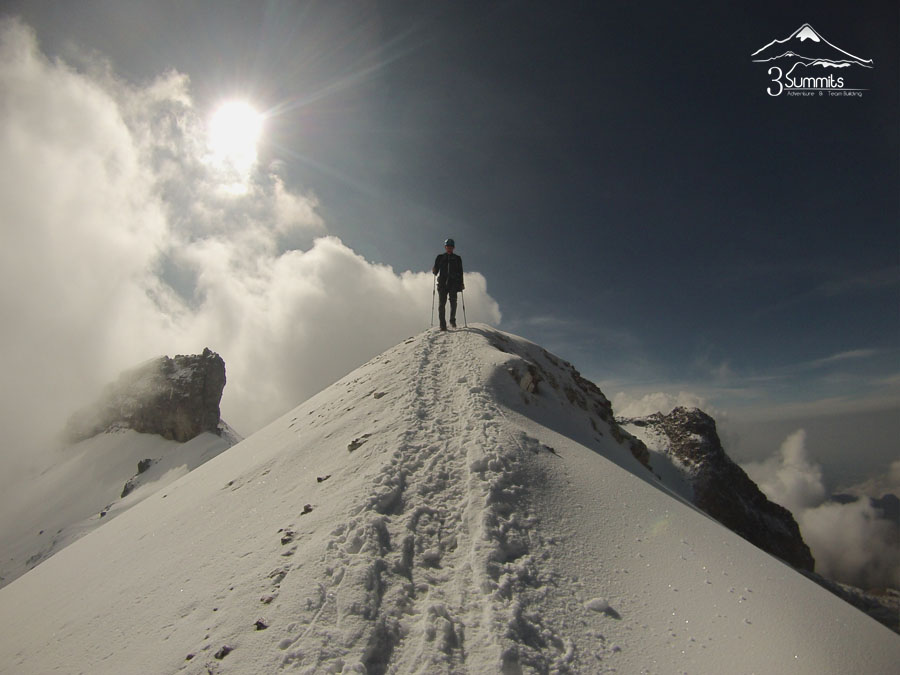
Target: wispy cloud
870,282
873,280
841,357
765,411
889,380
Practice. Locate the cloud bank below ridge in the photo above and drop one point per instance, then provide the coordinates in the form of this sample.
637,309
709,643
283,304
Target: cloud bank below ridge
852,542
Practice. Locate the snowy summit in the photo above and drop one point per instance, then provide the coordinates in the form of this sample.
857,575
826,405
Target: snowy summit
463,503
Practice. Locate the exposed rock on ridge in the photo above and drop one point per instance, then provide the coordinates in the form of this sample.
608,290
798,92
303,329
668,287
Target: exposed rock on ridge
721,488
534,371
177,398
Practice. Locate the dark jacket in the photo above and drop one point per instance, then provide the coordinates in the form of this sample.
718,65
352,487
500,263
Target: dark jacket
449,270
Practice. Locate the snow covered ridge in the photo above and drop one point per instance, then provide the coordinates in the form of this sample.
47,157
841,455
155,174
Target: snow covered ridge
431,512
89,484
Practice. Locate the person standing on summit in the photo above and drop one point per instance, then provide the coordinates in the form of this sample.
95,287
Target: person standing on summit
449,271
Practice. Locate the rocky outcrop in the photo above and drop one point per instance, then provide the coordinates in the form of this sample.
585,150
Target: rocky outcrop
721,488
177,398
534,371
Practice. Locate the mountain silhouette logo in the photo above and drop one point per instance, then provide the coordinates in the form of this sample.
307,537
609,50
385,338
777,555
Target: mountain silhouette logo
807,62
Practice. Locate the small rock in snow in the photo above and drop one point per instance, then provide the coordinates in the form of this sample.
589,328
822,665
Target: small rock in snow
357,443
431,557
223,652
599,605
278,575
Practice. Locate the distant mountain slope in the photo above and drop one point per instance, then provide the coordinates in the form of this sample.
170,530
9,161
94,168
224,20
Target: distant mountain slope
109,466
685,449
687,438
460,504
84,490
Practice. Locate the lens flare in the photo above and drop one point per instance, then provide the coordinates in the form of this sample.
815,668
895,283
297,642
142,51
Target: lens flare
233,135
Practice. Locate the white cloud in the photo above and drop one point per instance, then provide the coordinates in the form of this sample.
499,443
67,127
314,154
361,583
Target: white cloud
851,543
878,486
852,355
120,244
789,478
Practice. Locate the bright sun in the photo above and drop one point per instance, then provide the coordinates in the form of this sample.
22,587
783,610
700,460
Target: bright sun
234,132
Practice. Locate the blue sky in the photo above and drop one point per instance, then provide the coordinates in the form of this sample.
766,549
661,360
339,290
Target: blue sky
634,199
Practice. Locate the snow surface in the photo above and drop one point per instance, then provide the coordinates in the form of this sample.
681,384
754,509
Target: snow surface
426,514
82,489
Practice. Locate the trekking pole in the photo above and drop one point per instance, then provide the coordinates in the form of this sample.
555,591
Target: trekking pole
432,300
462,294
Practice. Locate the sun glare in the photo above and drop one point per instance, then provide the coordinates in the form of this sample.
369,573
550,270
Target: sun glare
234,132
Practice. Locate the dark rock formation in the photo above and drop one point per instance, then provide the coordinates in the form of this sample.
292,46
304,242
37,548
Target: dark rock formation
722,489
132,482
175,398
